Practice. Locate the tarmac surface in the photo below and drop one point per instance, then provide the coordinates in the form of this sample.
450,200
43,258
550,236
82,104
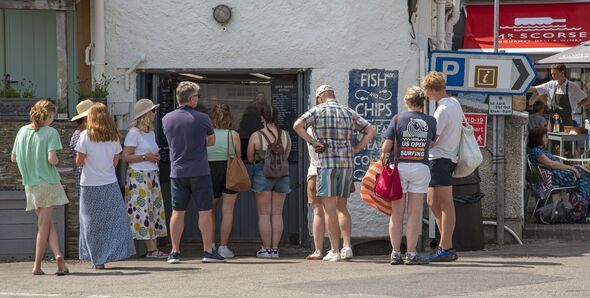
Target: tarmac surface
537,269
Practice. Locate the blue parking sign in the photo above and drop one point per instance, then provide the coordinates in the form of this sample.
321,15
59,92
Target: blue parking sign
453,68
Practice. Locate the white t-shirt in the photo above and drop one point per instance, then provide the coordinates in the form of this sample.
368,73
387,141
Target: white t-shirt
144,143
575,94
98,167
314,161
449,118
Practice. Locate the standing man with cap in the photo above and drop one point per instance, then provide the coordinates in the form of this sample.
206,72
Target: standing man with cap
334,125
189,133
82,108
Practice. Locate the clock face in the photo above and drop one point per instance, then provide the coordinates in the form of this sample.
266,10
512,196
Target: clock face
222,13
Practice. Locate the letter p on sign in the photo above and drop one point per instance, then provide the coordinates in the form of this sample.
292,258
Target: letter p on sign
453,68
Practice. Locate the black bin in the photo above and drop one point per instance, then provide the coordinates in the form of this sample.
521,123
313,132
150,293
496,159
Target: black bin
468,234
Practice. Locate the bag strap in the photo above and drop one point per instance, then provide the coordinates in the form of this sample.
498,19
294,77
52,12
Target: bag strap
395,155
230,139
265,137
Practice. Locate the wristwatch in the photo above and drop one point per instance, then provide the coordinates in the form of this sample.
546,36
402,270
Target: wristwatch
143,157
312,141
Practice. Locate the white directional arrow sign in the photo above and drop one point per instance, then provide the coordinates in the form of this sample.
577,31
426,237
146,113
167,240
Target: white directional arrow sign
489,73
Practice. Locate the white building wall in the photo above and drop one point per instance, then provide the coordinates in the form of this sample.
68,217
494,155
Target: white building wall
328,37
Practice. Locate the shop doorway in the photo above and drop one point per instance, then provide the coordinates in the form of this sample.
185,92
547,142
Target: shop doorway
286,90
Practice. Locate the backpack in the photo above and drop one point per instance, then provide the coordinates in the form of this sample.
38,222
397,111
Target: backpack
556,212
276,164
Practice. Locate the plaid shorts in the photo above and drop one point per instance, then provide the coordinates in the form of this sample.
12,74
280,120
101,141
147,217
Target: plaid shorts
334,182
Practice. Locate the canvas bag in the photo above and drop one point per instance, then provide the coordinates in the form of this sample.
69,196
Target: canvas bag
276,164
236,176
387,183
469,153
368,189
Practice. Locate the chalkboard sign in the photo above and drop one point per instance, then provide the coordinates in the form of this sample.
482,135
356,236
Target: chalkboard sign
373,94
166,105
284,98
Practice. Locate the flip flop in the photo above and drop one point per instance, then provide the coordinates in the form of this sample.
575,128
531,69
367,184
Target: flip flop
64,270
99,267
40,272
156,254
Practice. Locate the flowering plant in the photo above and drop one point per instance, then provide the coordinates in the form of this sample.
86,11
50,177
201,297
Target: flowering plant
100,89
24,88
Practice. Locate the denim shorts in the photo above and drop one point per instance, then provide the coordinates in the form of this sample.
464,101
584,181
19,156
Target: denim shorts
441,172
197,188
260,183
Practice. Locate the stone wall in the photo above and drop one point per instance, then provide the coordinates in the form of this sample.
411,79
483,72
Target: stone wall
10,178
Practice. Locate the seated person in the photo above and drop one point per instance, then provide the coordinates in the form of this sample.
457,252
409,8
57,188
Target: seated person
536,118
563,175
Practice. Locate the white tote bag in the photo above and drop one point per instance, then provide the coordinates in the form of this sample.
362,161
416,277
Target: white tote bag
469,153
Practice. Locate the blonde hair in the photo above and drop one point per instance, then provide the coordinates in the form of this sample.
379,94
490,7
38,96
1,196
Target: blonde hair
100,126
42,109
221,116
143,123
415,96
434,80
185,90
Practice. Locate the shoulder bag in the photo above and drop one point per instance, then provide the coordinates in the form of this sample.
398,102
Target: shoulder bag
387,183
236,177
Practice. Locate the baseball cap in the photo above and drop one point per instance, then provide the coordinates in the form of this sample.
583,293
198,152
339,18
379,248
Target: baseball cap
323,88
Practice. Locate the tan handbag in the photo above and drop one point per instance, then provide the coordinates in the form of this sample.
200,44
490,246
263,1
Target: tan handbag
236,178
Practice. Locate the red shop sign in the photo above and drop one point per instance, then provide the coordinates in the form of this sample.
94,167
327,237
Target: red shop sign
479,121
523,27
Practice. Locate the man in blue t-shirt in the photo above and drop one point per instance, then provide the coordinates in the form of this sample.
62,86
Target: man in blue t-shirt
189,132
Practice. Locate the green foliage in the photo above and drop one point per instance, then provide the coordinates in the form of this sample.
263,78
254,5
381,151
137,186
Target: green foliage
100,90
24,88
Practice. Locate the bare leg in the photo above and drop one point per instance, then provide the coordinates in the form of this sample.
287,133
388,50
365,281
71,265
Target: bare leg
444,197
213,213
330,206
44,229
344,221
318,227
415,201
54,244
433,203
151,245
206,228
229,201
263,208
176,228
276,219
396,222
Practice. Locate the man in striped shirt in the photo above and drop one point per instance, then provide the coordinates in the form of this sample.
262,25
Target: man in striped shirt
334,125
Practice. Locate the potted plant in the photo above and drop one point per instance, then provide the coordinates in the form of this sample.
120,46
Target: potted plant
96,92
16,98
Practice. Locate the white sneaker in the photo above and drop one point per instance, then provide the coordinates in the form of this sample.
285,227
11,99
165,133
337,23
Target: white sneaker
225,252
263,253
332,256
346,253
274,253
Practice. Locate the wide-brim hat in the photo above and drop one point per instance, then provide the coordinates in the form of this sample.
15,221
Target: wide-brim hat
143,106
323,88
586,167
82,108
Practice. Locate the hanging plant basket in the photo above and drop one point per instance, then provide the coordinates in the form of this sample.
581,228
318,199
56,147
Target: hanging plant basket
16,108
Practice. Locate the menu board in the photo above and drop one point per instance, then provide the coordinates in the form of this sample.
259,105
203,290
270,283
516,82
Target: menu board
166,106
284,99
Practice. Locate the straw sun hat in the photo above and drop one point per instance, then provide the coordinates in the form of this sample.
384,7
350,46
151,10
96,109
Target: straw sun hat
586,167
82,108
143,106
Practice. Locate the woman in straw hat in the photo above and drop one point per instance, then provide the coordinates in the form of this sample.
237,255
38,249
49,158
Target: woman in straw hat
104,227
143,195
35,152
82,108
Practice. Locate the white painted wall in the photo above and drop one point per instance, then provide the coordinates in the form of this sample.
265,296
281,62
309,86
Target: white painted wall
328,37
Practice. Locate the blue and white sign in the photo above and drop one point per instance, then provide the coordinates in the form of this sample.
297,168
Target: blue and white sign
373,94
489,73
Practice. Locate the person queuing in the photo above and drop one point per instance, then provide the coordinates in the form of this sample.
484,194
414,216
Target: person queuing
414,133
227,141
35,153
82,108
334,125
105,235
143,195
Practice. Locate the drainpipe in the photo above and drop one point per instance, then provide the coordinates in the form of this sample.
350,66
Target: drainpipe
440,24
455,15
99,39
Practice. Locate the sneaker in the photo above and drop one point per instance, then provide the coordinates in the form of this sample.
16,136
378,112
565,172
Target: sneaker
396,259
212,257
332,256
263,253
346,253
173,257
225,252
213,248
443,255
274,253
414,259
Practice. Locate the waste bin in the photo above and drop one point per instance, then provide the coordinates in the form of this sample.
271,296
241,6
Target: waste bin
468,234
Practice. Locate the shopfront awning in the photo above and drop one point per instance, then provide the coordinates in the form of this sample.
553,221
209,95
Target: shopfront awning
528,28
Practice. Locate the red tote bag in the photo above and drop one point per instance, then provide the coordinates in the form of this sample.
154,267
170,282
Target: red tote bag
387,183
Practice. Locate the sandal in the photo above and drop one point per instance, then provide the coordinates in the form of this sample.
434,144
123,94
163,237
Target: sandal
99,267
64,269
156,254
40,272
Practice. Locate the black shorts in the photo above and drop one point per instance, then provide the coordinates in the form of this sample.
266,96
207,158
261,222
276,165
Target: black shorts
441,172
218,172
185,189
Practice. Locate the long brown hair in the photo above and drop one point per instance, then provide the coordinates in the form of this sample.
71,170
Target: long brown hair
100,126
221,116
40,111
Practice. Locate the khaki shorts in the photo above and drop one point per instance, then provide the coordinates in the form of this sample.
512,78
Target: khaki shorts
312,198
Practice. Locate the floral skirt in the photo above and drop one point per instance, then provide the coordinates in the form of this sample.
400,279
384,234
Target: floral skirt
145,206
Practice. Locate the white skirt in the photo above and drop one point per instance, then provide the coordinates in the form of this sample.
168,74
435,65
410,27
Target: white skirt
45,195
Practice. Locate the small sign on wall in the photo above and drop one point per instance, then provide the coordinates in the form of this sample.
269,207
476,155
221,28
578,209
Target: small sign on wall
479,121
500,105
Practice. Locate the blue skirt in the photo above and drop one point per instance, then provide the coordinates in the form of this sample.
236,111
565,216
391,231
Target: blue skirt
104,226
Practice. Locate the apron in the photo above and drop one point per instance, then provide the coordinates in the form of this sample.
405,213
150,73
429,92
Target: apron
562,106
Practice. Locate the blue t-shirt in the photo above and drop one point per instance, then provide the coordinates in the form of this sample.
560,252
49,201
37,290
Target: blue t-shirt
186,131
414,131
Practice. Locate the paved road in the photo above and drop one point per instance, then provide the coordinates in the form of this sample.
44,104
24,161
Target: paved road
535,270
